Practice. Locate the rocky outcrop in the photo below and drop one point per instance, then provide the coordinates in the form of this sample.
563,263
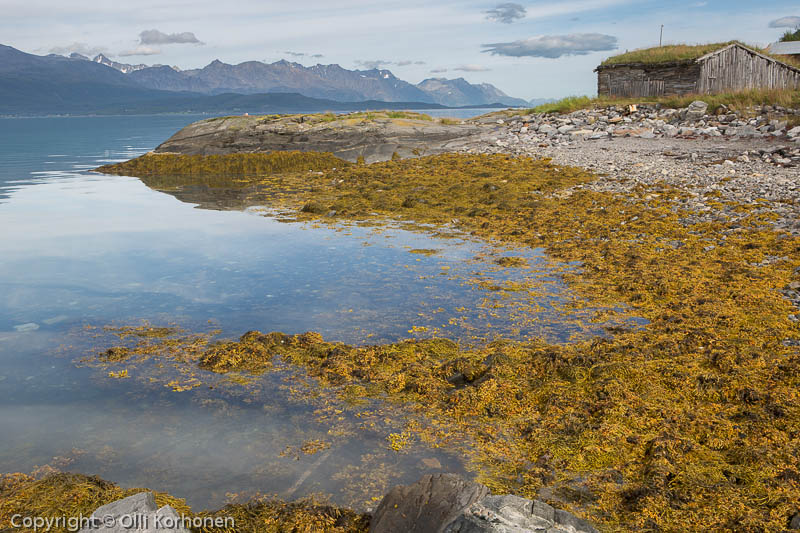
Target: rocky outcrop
444,503
348,137
135,513
426,506
512,514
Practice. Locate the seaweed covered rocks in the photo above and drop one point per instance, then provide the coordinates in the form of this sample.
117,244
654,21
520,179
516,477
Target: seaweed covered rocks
687,423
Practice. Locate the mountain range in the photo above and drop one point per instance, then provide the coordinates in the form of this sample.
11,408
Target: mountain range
77,84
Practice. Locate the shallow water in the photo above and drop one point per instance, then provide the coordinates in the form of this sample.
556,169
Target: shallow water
79,249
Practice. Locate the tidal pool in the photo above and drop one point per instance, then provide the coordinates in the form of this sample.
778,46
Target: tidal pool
79,251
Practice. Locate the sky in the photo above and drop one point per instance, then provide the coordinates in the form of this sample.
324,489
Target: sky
528,49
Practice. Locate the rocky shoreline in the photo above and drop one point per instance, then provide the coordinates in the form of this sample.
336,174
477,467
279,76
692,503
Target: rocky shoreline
725,156
714,158
438,503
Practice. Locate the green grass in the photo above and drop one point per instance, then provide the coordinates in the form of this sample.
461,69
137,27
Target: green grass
739,101
567,105
665,54
683,52
791,35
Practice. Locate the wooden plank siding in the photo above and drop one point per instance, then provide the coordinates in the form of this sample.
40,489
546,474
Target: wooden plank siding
736,68
732,68
647,80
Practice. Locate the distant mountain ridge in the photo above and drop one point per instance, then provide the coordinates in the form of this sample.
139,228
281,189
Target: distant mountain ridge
459,92
54,84
122,67
319,81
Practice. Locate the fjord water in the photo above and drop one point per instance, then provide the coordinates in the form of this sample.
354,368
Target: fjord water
80,250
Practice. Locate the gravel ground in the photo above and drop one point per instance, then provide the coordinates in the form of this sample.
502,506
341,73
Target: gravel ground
729,169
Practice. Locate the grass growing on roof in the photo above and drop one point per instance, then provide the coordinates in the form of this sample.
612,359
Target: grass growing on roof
667,54
738,101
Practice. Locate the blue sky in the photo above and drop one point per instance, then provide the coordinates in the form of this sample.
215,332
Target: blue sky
539,49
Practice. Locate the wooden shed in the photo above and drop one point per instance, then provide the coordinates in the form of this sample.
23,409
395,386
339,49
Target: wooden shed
674,70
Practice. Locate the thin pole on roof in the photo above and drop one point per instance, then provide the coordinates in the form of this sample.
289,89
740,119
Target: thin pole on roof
661,37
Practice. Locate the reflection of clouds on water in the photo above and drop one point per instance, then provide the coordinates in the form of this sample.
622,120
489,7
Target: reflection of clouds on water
92,249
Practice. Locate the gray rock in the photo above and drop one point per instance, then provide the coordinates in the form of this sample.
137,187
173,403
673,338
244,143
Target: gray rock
503,514
795,523
670,130
445,503
512,514
375,140
696,110
547,129
746,131
135,513
427,506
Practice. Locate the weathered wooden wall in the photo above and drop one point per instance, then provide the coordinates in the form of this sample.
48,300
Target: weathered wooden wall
731,69
737,68
647,80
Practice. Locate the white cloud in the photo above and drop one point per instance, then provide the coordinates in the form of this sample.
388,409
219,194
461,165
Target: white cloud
472,68
370,64
407,62
79,48
157,37
785,22
439,70
140,50
380,63
302,54
506,13
553,46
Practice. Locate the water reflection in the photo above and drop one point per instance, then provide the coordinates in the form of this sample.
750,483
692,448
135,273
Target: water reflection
82,249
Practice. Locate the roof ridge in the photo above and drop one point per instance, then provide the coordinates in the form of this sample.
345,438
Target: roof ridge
755,52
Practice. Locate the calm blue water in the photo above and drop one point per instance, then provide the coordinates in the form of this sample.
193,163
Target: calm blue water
81,250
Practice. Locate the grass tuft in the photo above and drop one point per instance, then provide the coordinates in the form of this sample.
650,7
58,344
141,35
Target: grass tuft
738,101
677,53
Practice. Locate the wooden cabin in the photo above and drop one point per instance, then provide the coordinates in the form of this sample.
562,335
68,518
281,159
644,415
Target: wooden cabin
673,70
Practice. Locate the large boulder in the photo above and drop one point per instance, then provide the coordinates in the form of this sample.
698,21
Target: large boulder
696,111
137,513
445,503
427,506
512,514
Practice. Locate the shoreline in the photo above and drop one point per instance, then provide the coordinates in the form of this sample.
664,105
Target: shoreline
626,431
